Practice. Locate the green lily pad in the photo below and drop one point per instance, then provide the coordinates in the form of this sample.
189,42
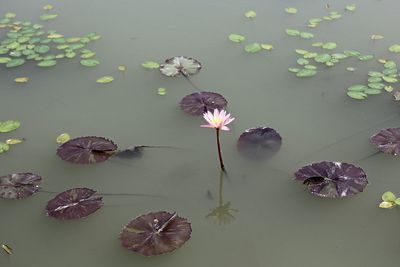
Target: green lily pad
42,49
302,61
388,196
150,65
322,58
351,69
306,73
378,86
339,56
105,79
161,91
70,54
317,44
4,147
90,62
301,51
291,10
310,55
8,126
351,7
375,74
397,201
374,80
236,38
294,70
252,48
357,95
329,45
250,14
365,57
372,91
310,67
15,62
395,48
4,60
390,65
314,20
389,79
352,53
306,35
87,55
292,32
47,63
10,15
389,72
45,17
357,88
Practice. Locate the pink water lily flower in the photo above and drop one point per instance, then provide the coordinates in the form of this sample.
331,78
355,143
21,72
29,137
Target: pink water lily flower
218,120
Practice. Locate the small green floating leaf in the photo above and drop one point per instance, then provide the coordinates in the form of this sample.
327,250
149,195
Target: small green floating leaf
10,15
89,62
47,63
310,67
351,69
291,10
15,62
388,196
389,79
21,79
236,38
301,51
375,74
352,53
387,205
14,141
388,88
357,95
292,32
250,14
322,58
390,65
365,57
395,48
378,86
294,70
310,55
329,45
63,138
317,44
105,79
376,37
357,88
4,147
306,35
122,68
314,20
161,91
88,55
45,17
267,46
372,91
252,48
302,61
150,65
42,49
397,201
8,126
4,60
306,73
351,7
374,80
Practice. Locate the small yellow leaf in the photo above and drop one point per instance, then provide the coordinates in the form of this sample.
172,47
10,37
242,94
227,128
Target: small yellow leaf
388,88
267,46
7,249
382,60
250,14
386,205
14,141
55,36
122,68
105,79
376,37
312,25
21,79
48,7
63,138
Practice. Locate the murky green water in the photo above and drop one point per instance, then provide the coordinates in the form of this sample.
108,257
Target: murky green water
277,223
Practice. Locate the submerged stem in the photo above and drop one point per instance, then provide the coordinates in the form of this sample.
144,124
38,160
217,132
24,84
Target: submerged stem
221,162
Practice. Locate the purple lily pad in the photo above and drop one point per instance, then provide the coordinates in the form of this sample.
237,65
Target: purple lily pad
19,185
332,179
387,140
259,143
198,103
87,150
156,233
74,203
180,65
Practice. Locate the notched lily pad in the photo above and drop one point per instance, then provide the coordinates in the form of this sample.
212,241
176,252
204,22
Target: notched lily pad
200,102
74,203
155,233
332,179
259,143
19,185
180,65
87,150
387,140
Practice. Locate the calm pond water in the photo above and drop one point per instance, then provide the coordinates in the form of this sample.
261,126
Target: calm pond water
277,222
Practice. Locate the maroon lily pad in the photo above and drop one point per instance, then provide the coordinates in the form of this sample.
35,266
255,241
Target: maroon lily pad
87,149
19,185
180,65
332,179
74,203
259,143
387,140
155,233
200,102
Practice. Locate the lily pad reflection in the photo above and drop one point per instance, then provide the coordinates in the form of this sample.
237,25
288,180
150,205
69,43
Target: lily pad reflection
19,185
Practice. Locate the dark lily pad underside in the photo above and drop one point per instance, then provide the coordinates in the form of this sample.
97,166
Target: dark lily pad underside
87,150
19,185
198,103
339,179
387,140
74,203
140,235
259,143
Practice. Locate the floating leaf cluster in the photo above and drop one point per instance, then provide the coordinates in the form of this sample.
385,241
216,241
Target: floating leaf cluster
314,22
295,33
389,200
26,41
5,127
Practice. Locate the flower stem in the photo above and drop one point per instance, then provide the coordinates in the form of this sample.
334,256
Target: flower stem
221,162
